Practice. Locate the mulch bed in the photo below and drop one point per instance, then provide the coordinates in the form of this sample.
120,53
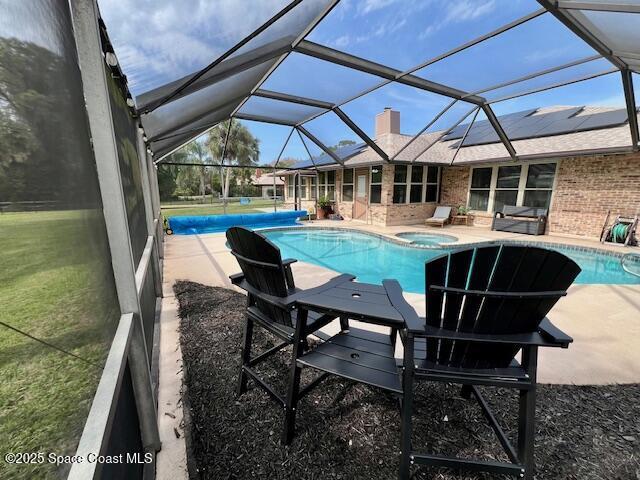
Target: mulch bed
349,431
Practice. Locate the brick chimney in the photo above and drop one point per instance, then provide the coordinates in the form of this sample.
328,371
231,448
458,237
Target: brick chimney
387,122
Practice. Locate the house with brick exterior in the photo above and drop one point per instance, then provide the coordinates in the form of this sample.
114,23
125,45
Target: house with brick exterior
575,161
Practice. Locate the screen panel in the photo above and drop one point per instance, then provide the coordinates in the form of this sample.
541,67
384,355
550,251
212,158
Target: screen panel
182,44
285,111
402,35
56,280
310,77
126,133
523,50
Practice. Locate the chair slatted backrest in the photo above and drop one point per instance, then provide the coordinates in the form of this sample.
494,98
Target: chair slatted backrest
478,290
261,264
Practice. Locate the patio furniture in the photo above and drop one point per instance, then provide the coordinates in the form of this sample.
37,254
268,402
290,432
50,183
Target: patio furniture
271,304
483,306
529,220
440,216
360,355
460,219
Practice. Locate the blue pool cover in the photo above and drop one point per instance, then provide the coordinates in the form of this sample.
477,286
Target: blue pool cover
189,225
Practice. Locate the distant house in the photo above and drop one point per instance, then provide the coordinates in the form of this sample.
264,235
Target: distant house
266,184
576,161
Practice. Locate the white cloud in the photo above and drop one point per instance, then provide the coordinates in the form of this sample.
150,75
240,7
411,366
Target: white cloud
342,41
540,55
459,12
468,10
158,41
372,5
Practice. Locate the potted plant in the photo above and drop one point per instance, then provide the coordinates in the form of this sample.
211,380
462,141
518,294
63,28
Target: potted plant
463,210
325,208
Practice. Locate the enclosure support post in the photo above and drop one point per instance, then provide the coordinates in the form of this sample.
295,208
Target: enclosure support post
275,199
149,212
157,211
630,98
96,93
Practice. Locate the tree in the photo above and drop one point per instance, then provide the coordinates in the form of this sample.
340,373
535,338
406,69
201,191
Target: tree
342,143
197,153
242,149
42,154
192,179
286,162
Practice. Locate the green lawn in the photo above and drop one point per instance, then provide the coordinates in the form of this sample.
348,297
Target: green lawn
256,206
53,286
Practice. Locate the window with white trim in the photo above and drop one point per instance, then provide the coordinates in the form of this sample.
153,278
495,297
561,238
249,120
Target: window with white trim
480,188
327,184
433,176
302,188
539,185
507,184
527,184
375,188
400,175
347,185
415,189
415,184
290,186
313,187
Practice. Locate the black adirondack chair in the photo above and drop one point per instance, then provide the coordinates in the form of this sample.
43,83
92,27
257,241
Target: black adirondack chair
271,299
483,306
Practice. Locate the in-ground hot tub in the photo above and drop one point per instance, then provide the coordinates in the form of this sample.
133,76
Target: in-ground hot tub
427,239
189,225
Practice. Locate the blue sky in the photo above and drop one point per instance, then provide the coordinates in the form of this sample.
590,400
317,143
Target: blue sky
159,41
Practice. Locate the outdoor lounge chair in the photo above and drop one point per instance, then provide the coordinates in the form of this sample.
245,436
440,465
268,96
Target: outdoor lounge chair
440,216
271,298
483,306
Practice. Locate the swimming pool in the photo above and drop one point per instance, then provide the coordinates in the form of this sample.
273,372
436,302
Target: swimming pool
372,258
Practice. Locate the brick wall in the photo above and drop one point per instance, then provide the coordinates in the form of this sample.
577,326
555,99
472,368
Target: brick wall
454,186
586,188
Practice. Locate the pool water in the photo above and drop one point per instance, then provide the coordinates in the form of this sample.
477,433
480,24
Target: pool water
372,259
426,239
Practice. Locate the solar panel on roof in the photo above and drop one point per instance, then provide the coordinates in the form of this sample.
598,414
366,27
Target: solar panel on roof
530,126
605,119
559,122
458,132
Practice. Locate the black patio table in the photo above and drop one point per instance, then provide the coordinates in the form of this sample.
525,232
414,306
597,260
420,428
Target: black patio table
360,355
358,301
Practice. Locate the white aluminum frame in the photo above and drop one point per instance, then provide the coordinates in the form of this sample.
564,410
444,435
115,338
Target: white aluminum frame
129,343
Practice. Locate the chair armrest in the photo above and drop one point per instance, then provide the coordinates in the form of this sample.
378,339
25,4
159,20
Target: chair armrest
288,302
288,274
553,333
412,321
281,302
531,339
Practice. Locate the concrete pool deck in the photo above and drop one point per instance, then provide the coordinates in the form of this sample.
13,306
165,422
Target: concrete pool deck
604,320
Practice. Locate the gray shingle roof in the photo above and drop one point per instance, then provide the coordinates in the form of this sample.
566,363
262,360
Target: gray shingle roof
616,138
